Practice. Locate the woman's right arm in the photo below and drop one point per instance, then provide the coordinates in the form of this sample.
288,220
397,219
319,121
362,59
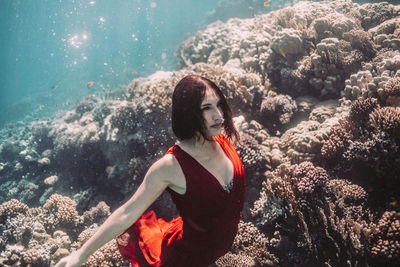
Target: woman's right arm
155,182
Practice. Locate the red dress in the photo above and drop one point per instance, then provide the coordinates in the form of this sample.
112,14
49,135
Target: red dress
208,222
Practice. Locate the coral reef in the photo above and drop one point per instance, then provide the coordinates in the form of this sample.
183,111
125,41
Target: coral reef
235,260
317,42
252,243
276,110
315,93
107,255
12,208
42,236
319,218
386,248
64,210
96,214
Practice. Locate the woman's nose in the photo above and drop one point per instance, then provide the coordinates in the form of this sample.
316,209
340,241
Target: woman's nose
218,115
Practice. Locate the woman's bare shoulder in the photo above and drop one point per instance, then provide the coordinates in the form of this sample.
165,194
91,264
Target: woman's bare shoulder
166,167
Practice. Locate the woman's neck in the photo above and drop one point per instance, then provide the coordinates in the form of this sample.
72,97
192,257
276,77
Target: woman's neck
199,144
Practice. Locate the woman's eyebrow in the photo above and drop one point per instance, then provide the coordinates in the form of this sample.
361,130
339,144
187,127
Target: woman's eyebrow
208,104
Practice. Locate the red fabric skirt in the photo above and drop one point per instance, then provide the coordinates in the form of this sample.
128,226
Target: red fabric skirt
148,240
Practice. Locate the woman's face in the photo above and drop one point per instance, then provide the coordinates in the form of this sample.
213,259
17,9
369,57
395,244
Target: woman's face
212,113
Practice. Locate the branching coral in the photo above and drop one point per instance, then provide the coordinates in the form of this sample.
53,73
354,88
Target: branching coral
339,138
106,256
277,110
252,243
318,214
235,260
96,214
350,193
27,227
311,179
36,256
386,119
12,208
252,156
63,208
360,110
267,210
392,87
386,248
361,40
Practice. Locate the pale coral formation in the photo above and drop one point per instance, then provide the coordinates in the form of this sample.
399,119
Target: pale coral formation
86,104
12,208
304,141
35,256
362,41
64,210
235,260
377,13
42,244
267,210
387,34
124,117
107,256
288,43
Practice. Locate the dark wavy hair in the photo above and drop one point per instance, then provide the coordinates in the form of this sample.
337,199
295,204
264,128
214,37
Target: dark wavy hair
187,118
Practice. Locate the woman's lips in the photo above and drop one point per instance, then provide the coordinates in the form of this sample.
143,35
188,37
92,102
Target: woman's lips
217,126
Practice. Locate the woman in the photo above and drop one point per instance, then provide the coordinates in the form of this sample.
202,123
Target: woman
205,178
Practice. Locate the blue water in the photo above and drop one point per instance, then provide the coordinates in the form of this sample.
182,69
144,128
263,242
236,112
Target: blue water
50,49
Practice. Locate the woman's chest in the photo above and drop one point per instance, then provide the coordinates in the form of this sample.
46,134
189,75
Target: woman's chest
200,173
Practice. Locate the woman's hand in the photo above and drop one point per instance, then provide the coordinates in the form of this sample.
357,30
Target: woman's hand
72,260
